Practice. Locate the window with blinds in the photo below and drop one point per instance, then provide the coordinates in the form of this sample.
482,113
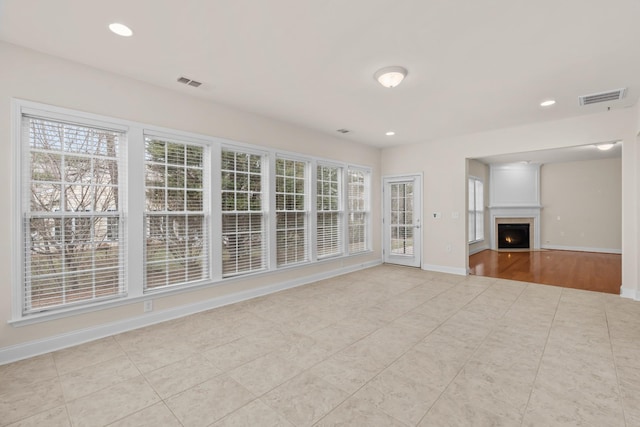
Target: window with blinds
175,216
243,217
476,210
84,178
291,211
329,212
72,214
358,206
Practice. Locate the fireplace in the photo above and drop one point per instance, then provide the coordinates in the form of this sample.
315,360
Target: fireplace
513,236
521,233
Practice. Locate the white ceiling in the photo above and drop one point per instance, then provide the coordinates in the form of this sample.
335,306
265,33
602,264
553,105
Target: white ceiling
473,66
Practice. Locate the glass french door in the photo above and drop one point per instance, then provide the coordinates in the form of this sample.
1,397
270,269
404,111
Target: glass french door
402,220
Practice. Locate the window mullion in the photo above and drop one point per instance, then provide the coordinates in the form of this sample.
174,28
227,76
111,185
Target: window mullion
313,211
272,214
216,216
133,222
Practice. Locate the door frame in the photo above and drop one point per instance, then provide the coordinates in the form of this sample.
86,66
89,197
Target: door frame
418,201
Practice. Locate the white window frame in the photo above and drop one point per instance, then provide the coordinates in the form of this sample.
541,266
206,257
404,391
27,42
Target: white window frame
133,207
206,205
366,211
264,205
20,151
339,211
473,236
306,212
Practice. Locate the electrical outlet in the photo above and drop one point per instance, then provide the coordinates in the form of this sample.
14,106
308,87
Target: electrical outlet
148,306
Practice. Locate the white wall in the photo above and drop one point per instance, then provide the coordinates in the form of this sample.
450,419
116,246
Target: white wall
28,75
443,163
582,205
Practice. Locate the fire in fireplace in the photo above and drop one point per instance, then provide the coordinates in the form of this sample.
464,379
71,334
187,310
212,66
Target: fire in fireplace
513,236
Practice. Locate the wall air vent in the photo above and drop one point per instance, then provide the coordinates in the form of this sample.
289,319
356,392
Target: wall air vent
188,81
343,130
610,95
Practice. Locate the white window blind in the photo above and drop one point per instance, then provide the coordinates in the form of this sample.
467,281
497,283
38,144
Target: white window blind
329,212
243,217
358,204
476,210
176,214
291,211
72,214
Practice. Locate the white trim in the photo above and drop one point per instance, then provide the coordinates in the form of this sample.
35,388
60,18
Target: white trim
478,249
368,194
445,269
582,249
629,293
17,244
46,345
419,223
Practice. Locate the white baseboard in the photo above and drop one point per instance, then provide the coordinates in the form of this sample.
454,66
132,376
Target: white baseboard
630,293
478,249
582,249
58,342
444,269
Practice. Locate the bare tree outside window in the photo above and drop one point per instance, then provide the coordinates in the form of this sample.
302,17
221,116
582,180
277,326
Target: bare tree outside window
358,210
291,213
73,245
176,241
243,228
329,214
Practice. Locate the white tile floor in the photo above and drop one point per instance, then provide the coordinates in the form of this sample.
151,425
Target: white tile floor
387,346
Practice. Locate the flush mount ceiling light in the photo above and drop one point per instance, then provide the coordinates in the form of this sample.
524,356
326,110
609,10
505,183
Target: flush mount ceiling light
547,103
390,76
120,29
390,133
606,145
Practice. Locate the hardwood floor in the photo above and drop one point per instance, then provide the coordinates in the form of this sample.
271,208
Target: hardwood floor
580,270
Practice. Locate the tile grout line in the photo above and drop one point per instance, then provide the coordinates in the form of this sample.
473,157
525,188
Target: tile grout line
386,367
477,347
615,366
541,357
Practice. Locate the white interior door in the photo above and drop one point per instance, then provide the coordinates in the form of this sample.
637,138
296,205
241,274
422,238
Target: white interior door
402,220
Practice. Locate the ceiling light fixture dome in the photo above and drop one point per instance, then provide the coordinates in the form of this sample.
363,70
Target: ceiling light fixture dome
548,103
120,29
390,133
390,76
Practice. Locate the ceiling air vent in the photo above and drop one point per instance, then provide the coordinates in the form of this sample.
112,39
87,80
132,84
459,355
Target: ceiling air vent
343,130
188,81
610,95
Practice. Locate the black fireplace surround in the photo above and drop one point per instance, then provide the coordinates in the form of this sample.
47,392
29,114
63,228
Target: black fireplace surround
513,236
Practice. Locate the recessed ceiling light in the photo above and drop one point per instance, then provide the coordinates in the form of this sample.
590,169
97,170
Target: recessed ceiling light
120,29
390,133
390,76
548,103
